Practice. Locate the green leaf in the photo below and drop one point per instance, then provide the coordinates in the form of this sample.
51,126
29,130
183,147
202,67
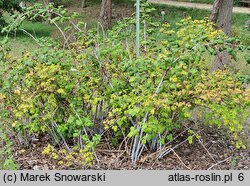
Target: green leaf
71,119
169,137
133,111
211,51
88,122
190,139
133,132
76,134
79,123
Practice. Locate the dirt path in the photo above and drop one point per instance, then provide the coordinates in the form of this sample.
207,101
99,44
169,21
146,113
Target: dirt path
198,5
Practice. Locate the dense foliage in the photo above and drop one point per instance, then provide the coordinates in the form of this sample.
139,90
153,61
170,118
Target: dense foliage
97,87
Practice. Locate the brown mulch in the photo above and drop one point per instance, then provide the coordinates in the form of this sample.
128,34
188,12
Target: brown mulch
211,152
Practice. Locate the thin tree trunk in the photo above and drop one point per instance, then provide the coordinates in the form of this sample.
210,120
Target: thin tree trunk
222,16
84,3
215,11
225,16
106,13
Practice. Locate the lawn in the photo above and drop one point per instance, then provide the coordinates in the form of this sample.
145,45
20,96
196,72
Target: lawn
20,42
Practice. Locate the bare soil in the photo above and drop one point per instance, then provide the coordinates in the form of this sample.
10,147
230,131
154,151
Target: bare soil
213,151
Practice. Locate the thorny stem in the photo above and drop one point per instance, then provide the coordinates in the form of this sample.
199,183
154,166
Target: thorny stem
63,34
171,149
64,141
84,129
180,159
137,145
145,37
30,35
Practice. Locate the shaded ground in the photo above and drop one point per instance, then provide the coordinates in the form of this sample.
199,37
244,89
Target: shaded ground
197,5
211,152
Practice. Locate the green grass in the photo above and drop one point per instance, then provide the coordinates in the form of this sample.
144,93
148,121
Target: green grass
241,65
38,29
20,45
20,42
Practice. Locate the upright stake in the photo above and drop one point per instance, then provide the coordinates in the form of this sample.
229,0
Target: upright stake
137,29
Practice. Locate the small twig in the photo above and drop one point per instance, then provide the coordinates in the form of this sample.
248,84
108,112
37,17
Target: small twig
168,151
96,158
202,144
219,162
30,35
137,146
103,30
145,37
125,141
206,150
110,151
120,155
142,148
84,129
107,142
175,138
179,158
166,148
63,34
127,48
64,141
52,133
85,29
104,74
75,26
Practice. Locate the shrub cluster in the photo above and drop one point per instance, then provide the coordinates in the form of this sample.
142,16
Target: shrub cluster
97,85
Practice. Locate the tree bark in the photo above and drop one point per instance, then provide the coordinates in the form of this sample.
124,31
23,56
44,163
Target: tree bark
222,17
84,3
225,16
106,13
215,11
